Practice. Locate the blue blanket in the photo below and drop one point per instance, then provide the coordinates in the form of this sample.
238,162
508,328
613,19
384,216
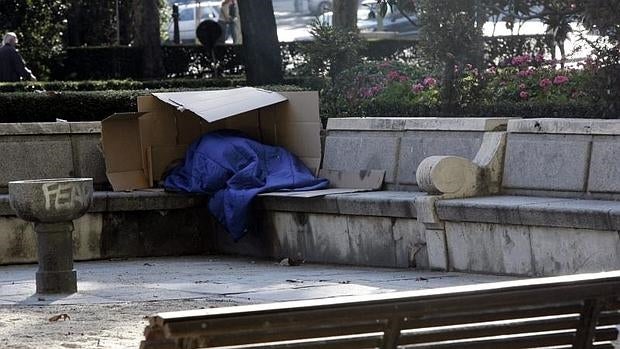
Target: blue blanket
233,169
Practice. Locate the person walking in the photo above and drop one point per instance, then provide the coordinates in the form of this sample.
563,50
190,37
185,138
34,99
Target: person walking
12,65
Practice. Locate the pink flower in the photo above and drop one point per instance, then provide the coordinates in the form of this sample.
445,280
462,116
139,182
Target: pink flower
524,95
520,60
384,64
544,83
393,75
525,73
429,81
560,80
522,87
540,58
417,88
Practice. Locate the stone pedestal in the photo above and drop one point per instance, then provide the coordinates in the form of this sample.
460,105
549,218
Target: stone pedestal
55,256
52,205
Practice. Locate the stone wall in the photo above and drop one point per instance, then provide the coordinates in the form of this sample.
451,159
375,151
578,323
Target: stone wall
51,150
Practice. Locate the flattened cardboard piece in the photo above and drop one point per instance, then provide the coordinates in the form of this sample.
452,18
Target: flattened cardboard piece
221,104
313,193
120,137
371,180
341,182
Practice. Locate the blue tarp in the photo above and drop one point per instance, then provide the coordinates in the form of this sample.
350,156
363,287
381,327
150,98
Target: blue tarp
233,169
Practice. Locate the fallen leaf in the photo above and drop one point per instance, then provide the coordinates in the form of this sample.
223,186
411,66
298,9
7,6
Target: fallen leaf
58,317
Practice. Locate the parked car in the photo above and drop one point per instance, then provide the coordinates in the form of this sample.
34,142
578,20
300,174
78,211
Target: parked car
187,19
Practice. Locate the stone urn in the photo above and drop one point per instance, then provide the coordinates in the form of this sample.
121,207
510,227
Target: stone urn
52,205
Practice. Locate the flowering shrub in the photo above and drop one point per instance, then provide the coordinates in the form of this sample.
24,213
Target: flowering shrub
532,78
522,82
382,83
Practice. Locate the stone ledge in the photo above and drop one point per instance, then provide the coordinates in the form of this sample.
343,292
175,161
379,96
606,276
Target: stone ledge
108,201
49,128
565,126
533,211
398,204
419,123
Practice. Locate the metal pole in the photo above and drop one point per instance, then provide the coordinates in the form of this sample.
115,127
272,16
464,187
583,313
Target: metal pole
175,20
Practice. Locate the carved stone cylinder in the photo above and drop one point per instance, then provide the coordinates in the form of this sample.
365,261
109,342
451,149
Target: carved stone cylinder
52,205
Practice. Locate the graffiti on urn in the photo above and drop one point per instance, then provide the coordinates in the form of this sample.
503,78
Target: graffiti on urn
63,196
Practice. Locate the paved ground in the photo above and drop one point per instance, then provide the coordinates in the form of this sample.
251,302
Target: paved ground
114,296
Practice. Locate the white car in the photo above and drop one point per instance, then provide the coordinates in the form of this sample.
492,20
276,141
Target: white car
188,14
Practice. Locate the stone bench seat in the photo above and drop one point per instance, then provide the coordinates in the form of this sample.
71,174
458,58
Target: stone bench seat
110,201
397,204
533,211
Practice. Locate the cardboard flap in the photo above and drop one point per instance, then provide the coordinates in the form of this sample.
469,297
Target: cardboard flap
372,179
120,137
127,181
217,105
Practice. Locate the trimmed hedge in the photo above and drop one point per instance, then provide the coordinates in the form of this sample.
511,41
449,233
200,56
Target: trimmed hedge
124,62
78,105
96,105
104,85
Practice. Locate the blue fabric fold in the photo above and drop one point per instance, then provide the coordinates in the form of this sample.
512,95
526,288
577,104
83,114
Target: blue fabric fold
233,169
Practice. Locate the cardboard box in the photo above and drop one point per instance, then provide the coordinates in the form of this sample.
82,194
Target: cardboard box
138,147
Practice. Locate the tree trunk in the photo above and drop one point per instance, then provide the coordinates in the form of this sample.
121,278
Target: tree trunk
261,49
147,37
74,24
345,14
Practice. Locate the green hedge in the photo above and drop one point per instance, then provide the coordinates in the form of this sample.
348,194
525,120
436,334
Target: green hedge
96,105
104,85
78,105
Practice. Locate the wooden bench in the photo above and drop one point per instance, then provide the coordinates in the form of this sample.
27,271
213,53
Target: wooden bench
577,311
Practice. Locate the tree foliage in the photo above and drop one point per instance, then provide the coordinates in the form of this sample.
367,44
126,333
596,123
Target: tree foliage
40,25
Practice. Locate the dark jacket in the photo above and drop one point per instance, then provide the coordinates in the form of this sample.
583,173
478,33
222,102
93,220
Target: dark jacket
12,66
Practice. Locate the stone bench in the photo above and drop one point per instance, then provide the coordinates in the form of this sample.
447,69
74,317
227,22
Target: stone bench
118,225
557,211
368,228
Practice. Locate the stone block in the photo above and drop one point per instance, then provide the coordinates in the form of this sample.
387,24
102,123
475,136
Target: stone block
437,249
489,248
364,151
152,200
379,203
327,239
417,145
88,158
322,204
371,241
288,231
558,251
565,126
410,244
39,157
342,152
570,213
155,233
546,162
18,242
34,128
605,165
87,237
